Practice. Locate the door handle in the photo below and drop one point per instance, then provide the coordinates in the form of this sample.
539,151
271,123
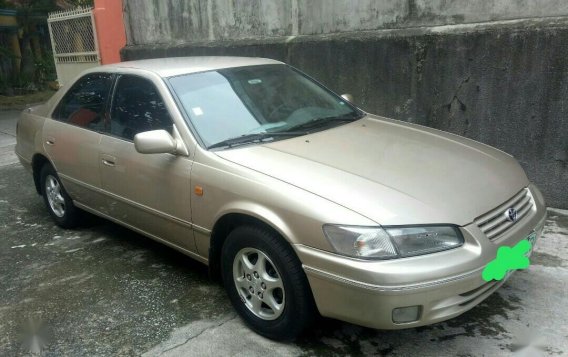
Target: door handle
108,162
50,141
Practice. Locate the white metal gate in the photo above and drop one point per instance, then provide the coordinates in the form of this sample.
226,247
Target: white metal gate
74,42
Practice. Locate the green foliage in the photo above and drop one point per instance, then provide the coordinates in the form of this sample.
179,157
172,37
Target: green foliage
81,2
6,53
39,70
6,5
42,5
34,5
45,69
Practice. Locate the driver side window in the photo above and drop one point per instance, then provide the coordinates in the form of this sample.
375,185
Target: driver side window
84,104
137,107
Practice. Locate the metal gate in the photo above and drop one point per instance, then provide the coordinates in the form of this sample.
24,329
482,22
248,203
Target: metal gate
74,42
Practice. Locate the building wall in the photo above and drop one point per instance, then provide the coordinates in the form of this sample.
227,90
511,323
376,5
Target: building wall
504,83
109,23
168,21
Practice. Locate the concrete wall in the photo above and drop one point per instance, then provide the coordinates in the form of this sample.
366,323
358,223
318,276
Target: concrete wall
505,84
180,21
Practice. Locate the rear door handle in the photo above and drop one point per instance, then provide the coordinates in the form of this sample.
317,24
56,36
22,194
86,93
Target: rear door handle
50,141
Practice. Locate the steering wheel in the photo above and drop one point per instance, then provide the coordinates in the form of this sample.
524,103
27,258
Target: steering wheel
281,109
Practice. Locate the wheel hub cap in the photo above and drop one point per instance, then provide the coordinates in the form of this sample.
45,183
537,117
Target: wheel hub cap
259,284
54,197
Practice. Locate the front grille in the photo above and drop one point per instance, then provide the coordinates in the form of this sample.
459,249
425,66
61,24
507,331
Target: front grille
495,222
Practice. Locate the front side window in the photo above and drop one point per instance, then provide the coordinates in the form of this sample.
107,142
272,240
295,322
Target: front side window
236,103
137,107
84,104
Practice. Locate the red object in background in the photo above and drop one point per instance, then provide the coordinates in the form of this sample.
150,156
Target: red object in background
83,117
111,35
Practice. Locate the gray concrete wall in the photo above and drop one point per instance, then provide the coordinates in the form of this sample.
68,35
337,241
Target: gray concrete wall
180,21
505,84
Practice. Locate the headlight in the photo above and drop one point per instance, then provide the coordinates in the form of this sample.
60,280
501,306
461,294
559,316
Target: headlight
391,242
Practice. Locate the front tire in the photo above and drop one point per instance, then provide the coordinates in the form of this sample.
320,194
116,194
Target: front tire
266,283
59,205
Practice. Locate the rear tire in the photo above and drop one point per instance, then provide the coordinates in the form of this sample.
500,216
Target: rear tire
59,205
266,283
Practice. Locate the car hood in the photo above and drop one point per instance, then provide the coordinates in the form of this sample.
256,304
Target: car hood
391,172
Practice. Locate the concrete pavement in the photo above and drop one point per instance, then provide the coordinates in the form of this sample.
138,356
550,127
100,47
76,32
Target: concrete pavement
8,121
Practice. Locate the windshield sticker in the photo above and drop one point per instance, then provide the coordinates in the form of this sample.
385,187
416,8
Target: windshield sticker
197,111
255,81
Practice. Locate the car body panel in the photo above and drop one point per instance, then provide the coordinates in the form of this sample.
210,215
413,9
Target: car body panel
392,172
472,256
444,284
230,188
148,191
29,134
73,152
174,66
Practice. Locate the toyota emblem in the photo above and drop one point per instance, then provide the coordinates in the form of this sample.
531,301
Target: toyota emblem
512,215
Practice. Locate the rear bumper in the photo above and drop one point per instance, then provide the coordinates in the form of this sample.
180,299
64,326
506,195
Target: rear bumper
443,285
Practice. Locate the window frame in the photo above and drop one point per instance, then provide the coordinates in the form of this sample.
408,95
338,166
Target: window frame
106,105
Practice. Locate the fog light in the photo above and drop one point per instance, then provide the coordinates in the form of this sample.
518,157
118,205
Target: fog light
406,314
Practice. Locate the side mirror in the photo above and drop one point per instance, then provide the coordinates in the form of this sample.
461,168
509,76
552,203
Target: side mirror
155,142
348,97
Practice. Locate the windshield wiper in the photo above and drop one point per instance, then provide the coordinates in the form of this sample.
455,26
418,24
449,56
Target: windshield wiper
317,122
251,138
293,131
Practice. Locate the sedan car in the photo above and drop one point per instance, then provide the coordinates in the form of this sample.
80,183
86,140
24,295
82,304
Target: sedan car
297,199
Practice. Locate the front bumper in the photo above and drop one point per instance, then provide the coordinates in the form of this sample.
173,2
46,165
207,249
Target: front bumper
443,285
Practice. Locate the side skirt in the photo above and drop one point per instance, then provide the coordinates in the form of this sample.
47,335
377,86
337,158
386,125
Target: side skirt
189,253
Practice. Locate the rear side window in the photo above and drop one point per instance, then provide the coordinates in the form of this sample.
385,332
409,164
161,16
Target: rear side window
137,107
84,104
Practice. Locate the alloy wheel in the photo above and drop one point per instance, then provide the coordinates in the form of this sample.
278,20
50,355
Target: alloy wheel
54,196
259,283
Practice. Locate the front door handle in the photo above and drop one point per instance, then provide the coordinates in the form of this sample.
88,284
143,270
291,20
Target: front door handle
108,162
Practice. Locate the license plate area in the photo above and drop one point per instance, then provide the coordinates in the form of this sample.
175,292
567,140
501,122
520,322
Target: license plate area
532,240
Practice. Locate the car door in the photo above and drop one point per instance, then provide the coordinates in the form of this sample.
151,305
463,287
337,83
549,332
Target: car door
149,192
72,137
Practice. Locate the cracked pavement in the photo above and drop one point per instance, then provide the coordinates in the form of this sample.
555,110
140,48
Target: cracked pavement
102,290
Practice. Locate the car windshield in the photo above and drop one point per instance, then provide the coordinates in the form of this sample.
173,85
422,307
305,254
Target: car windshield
257,103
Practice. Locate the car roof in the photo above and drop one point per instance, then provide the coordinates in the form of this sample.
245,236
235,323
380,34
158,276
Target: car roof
174,66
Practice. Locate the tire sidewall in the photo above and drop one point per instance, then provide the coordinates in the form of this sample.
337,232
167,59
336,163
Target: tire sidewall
283,327
70,217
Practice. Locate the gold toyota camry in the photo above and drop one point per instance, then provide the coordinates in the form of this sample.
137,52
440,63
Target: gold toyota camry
301,202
